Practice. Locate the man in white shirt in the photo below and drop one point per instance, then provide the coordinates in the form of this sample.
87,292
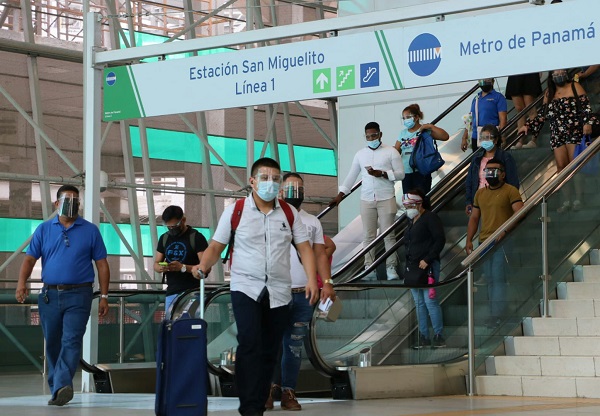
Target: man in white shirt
260,280
301,311
380,166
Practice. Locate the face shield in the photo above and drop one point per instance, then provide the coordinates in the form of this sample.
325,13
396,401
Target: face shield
68,205
293,193
493,175
268,181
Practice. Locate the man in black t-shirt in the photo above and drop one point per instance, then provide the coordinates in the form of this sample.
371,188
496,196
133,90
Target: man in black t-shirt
181,247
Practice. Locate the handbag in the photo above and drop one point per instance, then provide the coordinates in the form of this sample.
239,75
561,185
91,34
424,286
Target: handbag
425,157
593,165
415,276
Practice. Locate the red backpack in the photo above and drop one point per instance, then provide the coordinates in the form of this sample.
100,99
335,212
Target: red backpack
236,216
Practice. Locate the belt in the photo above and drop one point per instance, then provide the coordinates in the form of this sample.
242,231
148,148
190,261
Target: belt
69,287
298,290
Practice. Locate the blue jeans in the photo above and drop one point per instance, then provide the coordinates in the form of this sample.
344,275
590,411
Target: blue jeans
494,269
293,340
260,332
64,319
424,305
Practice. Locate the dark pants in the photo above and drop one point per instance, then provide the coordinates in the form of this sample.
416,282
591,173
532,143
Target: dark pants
260,333
416,180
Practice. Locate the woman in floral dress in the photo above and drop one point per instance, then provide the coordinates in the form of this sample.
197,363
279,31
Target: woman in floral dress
567,108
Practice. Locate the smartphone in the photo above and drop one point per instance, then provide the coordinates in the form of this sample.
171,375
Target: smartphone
163,263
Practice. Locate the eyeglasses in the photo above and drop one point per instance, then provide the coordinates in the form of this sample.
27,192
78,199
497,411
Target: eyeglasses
66,239
372,136
173,227
407,117
487,137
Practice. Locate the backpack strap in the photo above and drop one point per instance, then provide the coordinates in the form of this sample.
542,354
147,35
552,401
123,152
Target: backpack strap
288,212
236,216
290,219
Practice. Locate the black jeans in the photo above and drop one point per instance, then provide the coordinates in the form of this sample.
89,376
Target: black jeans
260,333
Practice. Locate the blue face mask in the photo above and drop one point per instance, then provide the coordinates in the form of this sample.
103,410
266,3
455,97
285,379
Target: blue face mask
374,144
487,144
267,190
409,123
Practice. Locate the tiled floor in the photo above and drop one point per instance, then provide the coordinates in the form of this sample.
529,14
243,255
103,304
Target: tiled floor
26,395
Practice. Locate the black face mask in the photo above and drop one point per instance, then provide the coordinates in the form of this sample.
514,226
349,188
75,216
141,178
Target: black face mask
175,232
295,202
560,80
486,88
493,181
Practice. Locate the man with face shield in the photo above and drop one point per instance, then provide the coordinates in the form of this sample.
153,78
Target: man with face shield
68,245
491,148
493,205
301,311
488,107
261,284
181,248
379,166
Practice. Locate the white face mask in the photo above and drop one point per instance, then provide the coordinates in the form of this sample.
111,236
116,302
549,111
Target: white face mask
412,213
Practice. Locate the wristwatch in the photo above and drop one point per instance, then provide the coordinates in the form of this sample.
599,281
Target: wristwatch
183,269
327,281
104,296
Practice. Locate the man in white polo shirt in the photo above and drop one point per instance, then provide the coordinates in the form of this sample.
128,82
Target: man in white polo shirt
380,166
260,280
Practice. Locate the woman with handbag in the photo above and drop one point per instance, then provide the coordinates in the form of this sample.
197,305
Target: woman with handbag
424,240
411,118
567,108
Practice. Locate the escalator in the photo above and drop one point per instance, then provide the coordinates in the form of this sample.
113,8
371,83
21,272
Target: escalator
379,317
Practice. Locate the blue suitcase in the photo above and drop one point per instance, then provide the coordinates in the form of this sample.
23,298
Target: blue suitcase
181,365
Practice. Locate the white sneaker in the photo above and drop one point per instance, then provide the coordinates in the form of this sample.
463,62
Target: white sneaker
530,145
371,276
391,274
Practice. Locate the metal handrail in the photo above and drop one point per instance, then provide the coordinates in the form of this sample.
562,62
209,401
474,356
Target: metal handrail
538,197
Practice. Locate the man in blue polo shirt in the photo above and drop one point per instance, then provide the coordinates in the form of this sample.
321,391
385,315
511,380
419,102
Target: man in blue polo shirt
67,245
488,107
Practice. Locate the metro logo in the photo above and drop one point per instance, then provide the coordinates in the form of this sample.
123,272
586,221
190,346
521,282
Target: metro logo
424,54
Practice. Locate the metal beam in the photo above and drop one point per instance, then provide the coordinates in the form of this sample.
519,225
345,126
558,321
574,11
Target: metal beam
192,26
379,18
44,51
36,109
148,181
92,110
212,150
314,123
39,129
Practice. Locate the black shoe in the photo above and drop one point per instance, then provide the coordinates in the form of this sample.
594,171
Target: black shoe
423,342
438,341
63,396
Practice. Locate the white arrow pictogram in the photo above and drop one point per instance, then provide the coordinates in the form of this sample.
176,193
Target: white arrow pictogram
322,80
